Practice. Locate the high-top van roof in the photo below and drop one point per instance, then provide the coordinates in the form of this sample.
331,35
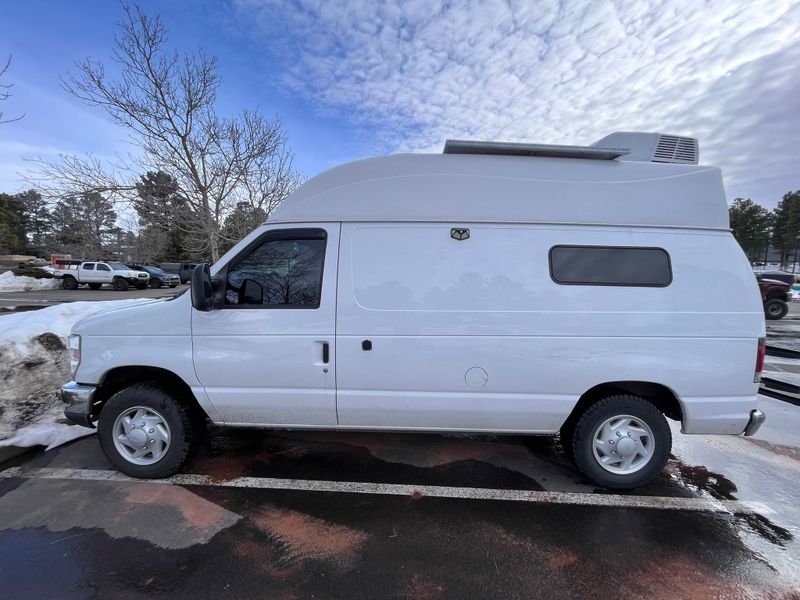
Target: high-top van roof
472,188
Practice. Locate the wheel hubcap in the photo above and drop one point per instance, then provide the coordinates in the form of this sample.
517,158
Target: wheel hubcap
623,444
141,435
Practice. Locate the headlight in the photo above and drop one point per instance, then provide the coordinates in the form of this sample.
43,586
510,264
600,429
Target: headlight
74,349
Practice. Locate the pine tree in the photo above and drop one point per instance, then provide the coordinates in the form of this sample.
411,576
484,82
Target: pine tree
38,219
12,225
85,223
752,226
787,225
161,209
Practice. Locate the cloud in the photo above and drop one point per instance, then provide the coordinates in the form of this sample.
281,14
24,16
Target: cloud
411,74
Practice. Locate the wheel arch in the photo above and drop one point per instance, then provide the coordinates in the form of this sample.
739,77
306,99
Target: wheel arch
661,396
119,378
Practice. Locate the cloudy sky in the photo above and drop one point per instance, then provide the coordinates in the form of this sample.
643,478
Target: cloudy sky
354,78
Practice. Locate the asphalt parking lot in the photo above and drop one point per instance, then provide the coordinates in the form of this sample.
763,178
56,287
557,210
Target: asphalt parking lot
31,300
361,515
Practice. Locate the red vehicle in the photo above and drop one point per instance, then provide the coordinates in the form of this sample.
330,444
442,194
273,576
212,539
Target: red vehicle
775,295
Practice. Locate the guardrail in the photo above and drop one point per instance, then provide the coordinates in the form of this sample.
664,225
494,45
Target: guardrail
781,390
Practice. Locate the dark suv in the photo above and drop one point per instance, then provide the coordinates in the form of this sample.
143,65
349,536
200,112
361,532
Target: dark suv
182,270
775,295
158,277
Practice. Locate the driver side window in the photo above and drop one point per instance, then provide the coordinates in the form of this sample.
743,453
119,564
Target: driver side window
284,271
102,267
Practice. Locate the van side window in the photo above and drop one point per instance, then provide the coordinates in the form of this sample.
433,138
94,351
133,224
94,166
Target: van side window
281,272
610,265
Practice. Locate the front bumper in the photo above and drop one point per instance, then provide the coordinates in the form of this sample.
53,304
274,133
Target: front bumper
78,400
757,418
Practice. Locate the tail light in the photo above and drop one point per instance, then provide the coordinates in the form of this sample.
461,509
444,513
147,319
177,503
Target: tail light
762,350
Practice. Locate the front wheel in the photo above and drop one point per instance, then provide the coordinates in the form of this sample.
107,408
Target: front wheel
775,308
120,284
621,442
155,283
145,432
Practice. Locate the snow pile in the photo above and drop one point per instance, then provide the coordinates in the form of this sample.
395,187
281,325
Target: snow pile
13,283
33,367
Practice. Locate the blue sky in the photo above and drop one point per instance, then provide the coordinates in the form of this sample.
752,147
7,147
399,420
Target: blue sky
361,77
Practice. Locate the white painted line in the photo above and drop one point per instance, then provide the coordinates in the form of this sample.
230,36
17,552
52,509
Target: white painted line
397,489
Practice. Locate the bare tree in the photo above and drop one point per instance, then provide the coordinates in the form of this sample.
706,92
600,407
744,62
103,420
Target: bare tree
166,101
4,92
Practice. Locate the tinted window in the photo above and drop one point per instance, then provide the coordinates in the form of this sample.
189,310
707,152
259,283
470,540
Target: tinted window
103,268
603,265
279,272
88,267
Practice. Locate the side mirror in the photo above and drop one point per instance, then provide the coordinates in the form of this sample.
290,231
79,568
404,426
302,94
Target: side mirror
202,292
251,292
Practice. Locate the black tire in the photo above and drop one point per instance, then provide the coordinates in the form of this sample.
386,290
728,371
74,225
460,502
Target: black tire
120,284
69,283
95,286
566,436
155,283
184,430
590,421
775,308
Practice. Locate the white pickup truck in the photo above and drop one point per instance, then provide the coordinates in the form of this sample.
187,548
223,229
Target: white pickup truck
95,274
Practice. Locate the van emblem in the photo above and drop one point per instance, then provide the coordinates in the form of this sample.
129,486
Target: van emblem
459,234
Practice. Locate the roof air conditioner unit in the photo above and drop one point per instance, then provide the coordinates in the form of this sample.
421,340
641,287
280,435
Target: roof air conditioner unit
653,147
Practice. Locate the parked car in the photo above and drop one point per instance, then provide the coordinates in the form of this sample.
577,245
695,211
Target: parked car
182,270
789,278
495,288
775,296
74,273
158,277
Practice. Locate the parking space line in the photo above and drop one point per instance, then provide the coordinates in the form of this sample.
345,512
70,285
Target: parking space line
398,489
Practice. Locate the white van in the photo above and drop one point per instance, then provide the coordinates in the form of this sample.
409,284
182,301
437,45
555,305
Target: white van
498,288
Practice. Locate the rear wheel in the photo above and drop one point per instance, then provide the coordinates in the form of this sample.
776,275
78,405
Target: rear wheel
145,432
775,308
120,284
69,283
95,286
621,442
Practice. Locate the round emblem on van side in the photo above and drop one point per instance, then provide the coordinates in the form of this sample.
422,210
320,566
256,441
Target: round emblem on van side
476,377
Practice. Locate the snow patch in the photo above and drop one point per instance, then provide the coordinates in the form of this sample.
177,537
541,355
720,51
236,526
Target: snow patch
14,283
33,367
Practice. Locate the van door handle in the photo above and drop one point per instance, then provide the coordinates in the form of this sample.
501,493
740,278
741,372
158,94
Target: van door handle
366,345
325,352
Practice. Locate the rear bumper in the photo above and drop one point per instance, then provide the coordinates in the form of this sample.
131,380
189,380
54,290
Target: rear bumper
78,401
757,418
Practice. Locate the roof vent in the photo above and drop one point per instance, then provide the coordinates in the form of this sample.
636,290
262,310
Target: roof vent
654,147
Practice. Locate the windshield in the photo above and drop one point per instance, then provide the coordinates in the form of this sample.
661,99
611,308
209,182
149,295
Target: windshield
154,270
119,266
